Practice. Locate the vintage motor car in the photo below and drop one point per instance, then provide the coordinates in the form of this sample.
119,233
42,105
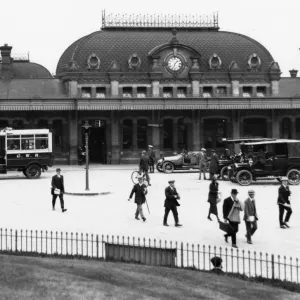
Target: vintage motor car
182,161
269,159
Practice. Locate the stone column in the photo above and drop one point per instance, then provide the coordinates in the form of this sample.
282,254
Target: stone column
275,125
114,88
235,87
73,88
115,137
175,136
196,130
93,88
134,135
155,88
236,132
195,88
156,133
73,137
275,87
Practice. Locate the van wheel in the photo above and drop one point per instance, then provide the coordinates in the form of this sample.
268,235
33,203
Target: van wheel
226,173
293,176
168,167
33,171
244,177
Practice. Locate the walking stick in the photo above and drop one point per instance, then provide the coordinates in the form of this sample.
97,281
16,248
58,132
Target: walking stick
148,207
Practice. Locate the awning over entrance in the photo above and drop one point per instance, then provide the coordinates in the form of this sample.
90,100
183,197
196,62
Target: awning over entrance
149,104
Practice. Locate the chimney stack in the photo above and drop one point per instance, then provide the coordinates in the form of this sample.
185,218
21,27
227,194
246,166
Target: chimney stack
6,62
293,73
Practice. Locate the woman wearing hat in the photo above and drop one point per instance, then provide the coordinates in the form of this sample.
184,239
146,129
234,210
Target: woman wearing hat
212,197
284,203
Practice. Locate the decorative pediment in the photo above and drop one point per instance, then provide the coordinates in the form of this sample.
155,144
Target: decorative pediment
114,67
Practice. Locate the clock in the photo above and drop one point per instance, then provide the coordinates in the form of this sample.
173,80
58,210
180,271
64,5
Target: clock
174,63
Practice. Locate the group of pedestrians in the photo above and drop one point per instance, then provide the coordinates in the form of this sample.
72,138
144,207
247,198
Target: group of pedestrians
213,166
232,208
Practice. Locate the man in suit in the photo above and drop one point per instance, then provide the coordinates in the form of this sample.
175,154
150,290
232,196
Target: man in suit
250,215
214,164
233,226
58,189
171,203
284,203
140,191
217,263
151,155
202,163
144,165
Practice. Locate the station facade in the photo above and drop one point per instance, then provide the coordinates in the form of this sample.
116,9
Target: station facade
175,84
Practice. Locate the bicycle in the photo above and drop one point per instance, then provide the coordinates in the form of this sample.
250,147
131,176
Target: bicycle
136,174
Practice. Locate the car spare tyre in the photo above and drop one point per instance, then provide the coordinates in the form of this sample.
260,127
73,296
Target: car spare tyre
293,176
244,177
33,171
168,167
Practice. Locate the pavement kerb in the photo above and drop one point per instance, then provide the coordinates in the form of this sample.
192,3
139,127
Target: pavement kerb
93,167
87,194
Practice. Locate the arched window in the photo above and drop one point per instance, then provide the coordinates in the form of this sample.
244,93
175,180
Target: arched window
142,134
182,134
214,132
168,133
127,134
3,124
43,124
286,129
255,127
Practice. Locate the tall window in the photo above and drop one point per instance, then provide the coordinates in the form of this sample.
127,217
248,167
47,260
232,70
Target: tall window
207,92
127,134
57,134
286,131
255,127
261,91
247,91
100,92
221,91
181,92
141,92
168,133
214,132
167,92
127,92
142,134
86,92
182,134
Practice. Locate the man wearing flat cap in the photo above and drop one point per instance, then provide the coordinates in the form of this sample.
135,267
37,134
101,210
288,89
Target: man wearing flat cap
250,215
231,213
171,203
151,155
202,163
58,189
217,263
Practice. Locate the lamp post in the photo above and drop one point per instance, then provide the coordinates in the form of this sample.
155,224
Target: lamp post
86,127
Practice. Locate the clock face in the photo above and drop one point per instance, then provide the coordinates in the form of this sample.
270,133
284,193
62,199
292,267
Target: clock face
174,63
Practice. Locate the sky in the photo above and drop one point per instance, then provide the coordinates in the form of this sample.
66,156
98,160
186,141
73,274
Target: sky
46,28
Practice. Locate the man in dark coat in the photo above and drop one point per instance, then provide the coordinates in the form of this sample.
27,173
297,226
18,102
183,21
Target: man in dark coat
233,226
151,155
217,263
171,203
284,203
58,189
140,191
214,164
144,165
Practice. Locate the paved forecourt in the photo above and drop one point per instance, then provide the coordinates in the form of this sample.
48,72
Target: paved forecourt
26,204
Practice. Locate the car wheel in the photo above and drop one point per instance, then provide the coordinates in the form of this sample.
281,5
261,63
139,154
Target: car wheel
33,171
226,173
293,176
168,167
159,168
244,177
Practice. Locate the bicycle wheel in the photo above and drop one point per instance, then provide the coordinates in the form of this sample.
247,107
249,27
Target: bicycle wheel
134,177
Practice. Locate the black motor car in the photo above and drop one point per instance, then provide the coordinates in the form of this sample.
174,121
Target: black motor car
269,159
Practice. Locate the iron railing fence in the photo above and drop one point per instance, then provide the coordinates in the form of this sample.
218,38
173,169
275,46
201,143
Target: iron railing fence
149,251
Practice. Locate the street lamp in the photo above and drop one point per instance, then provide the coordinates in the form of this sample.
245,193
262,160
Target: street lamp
86,127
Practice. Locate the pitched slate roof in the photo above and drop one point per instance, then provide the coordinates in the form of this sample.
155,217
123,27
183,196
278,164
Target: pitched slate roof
26,69
120,44
289,87
32,89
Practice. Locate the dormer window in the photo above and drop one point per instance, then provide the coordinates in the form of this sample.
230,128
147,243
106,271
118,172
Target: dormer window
261,91
181,92
207,92
141,92
215,62
101,92
127,92
167,92
247,91
86,92
254,61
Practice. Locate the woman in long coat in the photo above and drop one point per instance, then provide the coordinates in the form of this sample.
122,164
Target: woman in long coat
212,197
214,164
